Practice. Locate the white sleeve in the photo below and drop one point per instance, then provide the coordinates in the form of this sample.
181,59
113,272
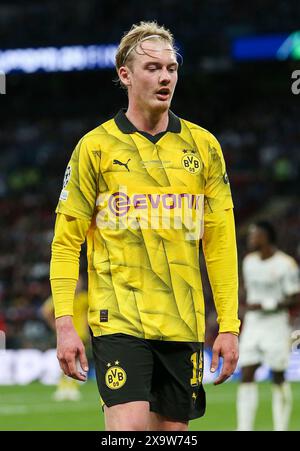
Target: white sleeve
291,279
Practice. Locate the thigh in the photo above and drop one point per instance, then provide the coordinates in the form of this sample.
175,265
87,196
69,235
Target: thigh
278,377
248,373
159,422
124,367
277,351
129,416
177,393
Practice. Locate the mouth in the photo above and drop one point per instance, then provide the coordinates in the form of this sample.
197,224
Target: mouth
163,94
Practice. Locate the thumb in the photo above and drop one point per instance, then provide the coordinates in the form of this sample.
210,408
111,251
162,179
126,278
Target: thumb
214,361
83,360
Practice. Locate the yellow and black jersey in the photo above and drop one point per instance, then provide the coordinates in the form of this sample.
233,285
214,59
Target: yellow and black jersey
146,198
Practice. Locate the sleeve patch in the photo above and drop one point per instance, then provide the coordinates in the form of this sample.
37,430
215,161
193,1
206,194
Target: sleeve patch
67,176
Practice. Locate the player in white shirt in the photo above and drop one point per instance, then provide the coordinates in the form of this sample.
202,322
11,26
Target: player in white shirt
271,280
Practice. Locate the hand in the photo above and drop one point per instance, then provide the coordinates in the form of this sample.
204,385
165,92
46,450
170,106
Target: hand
69,348
226,346
269,304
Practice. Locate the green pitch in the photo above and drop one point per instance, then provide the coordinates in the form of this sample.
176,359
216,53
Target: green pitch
31,408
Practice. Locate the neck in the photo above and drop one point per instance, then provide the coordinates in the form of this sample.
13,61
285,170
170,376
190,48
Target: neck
267,252
152,122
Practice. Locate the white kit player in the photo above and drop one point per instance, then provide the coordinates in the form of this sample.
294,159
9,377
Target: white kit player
271,280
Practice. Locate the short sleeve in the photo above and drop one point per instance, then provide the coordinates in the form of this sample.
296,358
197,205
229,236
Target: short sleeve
217,193
291,279
79,191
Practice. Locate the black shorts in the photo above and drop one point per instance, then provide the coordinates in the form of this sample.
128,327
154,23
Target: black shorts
168,374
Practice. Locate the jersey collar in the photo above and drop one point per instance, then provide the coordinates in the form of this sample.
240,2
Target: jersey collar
124,124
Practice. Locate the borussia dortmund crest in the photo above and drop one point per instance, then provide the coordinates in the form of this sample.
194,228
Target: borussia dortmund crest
190,162
115,376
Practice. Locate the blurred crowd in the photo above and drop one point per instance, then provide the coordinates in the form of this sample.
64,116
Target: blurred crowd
252,113
33,23
263,164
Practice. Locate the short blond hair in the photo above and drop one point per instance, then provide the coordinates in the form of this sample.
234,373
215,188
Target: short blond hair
137,34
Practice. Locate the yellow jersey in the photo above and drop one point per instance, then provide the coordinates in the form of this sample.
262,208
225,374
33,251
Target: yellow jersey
146,198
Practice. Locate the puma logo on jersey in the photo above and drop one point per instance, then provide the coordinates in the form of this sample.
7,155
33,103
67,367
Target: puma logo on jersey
122,164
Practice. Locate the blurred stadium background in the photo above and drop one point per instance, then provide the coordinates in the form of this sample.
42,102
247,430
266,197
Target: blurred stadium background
235,81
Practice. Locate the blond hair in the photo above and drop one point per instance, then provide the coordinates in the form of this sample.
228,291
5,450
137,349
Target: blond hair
138,33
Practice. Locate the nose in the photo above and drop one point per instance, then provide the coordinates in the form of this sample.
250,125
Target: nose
164,77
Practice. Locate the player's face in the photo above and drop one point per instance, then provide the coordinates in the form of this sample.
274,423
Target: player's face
257,238
153,76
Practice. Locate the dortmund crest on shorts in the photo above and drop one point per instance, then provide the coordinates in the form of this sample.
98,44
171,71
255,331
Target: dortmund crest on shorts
115,376
190,162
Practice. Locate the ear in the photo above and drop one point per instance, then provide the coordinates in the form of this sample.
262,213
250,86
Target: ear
124,75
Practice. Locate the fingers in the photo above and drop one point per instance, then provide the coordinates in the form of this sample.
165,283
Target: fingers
63,366
228,367
225,374
215,360
83,362
74,372
67,363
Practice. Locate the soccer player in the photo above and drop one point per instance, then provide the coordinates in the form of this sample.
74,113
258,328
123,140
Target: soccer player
271,280
141,188
68,388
